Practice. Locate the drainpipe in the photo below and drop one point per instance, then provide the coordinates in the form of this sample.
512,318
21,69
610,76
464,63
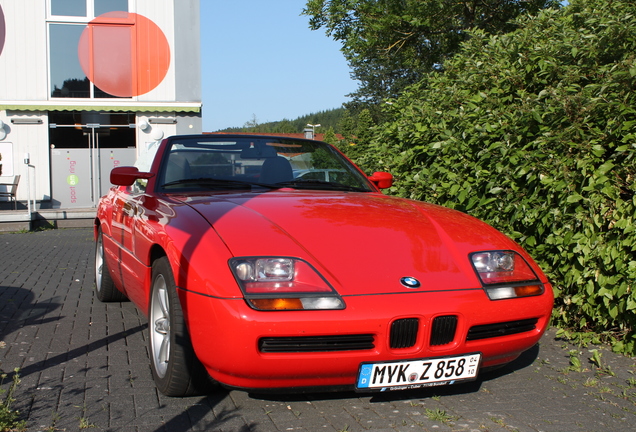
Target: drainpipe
27,161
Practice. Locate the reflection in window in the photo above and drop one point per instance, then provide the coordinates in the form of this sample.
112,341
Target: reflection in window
68,7
103,6
67,77
118,133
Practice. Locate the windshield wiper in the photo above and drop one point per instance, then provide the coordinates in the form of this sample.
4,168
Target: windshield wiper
210,182
319,184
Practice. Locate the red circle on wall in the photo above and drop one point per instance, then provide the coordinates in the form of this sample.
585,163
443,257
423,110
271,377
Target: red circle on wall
124,54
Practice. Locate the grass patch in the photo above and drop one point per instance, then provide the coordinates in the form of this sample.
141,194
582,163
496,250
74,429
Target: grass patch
10,418
439,415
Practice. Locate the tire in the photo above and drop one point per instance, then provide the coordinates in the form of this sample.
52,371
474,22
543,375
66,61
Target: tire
104,285
175,367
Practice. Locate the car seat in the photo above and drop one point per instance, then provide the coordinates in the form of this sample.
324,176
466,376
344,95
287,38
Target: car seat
276,170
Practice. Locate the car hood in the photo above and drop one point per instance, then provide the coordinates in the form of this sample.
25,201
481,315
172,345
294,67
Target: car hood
363,243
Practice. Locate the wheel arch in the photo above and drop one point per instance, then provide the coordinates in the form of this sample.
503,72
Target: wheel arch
156,252
97,225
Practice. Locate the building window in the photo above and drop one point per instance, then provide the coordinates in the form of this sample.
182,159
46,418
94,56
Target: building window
104,6
86,8
68,21
68,8
68,80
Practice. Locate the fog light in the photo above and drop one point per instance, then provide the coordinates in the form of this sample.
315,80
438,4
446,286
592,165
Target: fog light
322,303
500,293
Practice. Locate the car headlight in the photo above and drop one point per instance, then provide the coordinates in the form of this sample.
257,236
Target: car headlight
505,274
283,283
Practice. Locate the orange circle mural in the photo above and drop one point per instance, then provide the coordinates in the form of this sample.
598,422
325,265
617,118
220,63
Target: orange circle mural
124,54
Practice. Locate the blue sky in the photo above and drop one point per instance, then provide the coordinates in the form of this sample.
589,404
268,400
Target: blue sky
260,59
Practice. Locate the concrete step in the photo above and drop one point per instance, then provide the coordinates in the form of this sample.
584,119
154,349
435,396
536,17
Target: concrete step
20,220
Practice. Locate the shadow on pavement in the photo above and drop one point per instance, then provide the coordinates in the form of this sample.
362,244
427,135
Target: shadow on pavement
198,413
523,361
197,416
77,352
18,309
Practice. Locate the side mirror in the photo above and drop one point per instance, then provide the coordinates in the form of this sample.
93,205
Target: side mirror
126,175
383,180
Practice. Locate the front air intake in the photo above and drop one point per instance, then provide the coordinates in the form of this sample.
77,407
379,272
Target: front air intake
404,333
501,329
443,330
299,344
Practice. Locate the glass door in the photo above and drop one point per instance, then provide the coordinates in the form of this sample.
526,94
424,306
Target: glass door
85,147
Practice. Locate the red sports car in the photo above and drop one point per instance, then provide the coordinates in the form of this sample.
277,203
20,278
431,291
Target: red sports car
256,275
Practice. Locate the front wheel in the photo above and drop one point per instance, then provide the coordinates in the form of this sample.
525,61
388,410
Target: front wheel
175,367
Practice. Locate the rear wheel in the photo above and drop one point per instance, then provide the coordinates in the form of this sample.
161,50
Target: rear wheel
104,285
175,367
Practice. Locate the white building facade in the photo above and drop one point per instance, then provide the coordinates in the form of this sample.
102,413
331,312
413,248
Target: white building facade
87,85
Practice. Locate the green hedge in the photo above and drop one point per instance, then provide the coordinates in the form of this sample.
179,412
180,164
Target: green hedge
534,132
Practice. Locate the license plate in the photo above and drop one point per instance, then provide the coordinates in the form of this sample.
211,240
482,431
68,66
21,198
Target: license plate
418,373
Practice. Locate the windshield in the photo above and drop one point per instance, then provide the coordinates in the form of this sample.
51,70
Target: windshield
221,162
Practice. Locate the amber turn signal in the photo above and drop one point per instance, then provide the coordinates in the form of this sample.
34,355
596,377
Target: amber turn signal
277,304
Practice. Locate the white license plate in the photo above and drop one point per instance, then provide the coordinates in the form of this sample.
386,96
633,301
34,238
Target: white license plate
418,373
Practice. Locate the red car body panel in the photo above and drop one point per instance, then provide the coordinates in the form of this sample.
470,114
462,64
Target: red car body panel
365,314
362,243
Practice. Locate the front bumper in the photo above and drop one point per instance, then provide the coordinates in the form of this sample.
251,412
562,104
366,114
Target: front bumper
228,335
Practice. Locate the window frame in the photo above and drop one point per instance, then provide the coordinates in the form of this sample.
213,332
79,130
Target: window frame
75,20
90,12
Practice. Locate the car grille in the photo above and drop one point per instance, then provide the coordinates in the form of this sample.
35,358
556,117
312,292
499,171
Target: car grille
404,332
443,330
501,329
298,344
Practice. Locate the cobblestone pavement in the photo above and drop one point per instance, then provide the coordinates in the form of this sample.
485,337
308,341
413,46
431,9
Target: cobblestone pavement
84,365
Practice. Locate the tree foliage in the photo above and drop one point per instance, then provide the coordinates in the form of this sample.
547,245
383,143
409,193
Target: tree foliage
391,44
327,119
357,132
535,133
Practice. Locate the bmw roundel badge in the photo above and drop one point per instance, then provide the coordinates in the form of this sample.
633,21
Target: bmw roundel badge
410,282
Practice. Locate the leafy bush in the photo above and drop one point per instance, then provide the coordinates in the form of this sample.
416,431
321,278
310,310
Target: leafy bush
534,132
9,418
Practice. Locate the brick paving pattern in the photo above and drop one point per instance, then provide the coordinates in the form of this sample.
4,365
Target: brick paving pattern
84,366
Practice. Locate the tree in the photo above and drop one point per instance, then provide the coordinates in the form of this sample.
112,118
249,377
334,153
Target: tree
327,119
284,126
252,125
357,133
533,132
330,137
391,44
359,144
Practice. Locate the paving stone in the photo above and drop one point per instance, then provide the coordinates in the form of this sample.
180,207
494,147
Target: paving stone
85,363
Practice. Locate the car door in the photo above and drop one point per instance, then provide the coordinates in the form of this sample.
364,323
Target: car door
125,210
